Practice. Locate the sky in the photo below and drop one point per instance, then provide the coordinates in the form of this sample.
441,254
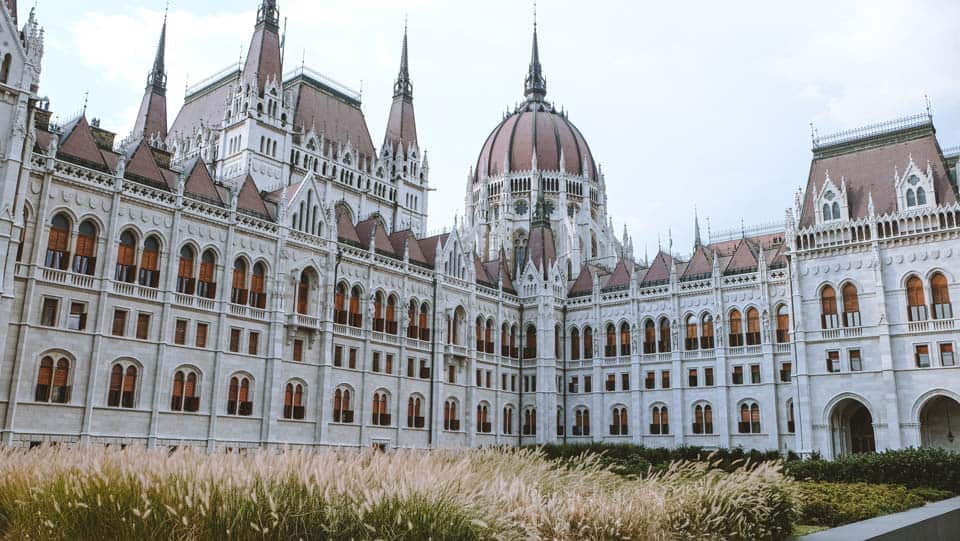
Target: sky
685,105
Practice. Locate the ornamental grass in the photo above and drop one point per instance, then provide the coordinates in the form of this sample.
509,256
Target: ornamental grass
101,493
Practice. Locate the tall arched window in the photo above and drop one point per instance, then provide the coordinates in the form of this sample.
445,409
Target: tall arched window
258,287
413,331
530,347
703,419
574,344
753,326
691,342
483,418
293,401
238,397
921,196
126,258
53,381
530,422
649,337
514,349
624,339
557,343
505,340
356,316
305,285
488,336
610,348
184,396
911,198
618,426
508,419
783,324
736,329
150,263
423,323
791,425
587,342
659,420
828,308
851,305
391,315
450,419
942,309
706,332
916,303
85,259
185,281
581,423
5,68
663,345
749,418
342,410
414,412
340,304
379,321
239,293
123,386
23,234
207,282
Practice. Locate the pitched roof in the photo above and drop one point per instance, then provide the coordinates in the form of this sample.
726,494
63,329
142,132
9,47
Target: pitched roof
583,284
263,56
621,275
659,271
77,142
377,227
152,116
250,200
406,238
483,277
199,183
430,245
701,263
339,119
743,258
204,107
141,167
542,248
345,230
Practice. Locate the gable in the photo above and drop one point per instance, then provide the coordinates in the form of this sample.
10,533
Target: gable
199,183
78,144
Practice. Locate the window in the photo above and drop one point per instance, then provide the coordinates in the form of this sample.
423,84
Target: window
488,376
58,256
119,322
53,381
791,425
753,327
783,325
414,412
123,386
736,329
48,312
828,308
450,419
355,317
342,412
691,342
665,379
452,374
574,382
611,382
298,350
508,420
754,373
833,361
916,305
253,343
692,377
659,420
749,419
235,340
587,343
483,418
503,382
588,384
708,376
424,369
258,296
293,401
513,383
649,337
651,380
706,332
856,363
530,422
206,283
703,419
143,326
185,281
352,359
85,260
77,320
922,355
851,306
625,381
201,338
150,263
942,309
619,425
184,396
786,372
737,378
239,293
664,343
180,332
624,339
530,347
338,356
581,423
946,355
126,270
610,349
238,397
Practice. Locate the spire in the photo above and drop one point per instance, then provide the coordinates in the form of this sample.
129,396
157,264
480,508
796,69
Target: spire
403,88
536,85
151,122
157,79
268,14
263,61
402,122
696,229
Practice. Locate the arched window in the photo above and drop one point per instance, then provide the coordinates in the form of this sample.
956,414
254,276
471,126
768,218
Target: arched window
610,348
123,386
23,234
414,412
505,340
184,396
5,68
691,342
587,342
185,281
508,419
85,260
706,332
293,401
753,326
649,337
703,419
238,399
581,423
574,344
356,316
258,288
530,347
126,258
851,305
911,199
942,309
53,381
483,418
304,286
423,324
451,421
659,420
413,331
663,345
736,329
921,196
836,210
916,302
379,322
342,410
828,308
488,336
749,418
207,283
783,325
530,422
624,339
239,293
827,215
150,263
791,424
339,304
618,426
391,315
514,350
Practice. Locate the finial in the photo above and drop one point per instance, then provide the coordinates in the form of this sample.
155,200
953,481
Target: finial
926,101
696,228
86,96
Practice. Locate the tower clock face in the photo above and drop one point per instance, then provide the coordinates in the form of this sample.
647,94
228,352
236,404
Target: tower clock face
520,207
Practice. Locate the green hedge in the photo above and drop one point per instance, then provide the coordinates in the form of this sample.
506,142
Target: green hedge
835,504
934,468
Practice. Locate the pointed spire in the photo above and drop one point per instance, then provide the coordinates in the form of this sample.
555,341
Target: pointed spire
157,79
264,61
402,122
536,85
403,88
696,228
151,122
268,14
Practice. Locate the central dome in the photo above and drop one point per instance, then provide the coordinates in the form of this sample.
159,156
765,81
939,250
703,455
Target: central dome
535,129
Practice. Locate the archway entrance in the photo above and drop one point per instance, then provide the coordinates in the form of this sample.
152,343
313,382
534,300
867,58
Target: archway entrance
939,420
851,426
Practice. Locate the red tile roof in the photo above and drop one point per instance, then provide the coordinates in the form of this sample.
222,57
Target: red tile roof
401,125
263,57
152,116
583,284
407,239
250,200
659,271
345,230
77,142
701,263
334,117
205,108
621,275
430,245
376,226
142,167
199,183
743,258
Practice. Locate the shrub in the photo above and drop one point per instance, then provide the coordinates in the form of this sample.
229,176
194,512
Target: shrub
630,459
835,504
97,493
936,468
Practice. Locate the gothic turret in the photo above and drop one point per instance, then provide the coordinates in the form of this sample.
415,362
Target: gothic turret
263,58
402,124
151,123
535,87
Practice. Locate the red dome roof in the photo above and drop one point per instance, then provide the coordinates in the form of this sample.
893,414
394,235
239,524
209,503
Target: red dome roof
535,125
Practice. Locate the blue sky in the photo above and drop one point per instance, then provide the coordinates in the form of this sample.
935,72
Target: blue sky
683,104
